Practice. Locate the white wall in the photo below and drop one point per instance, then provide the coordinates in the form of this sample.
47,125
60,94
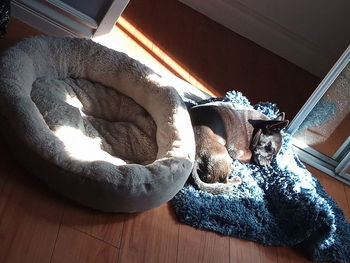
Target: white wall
310,33
325,23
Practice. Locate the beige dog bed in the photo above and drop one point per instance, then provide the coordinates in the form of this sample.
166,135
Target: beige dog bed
94,124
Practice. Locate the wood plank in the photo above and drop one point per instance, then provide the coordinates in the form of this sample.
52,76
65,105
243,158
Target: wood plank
248,251
150,236
289,255
28,214
3,177
17,30
220,58
196,245
334,188
75,247
103,226
5,165
30,219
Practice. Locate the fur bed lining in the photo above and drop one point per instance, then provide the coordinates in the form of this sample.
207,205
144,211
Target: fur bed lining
37,71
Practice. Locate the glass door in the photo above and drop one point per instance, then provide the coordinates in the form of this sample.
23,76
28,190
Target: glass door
321,129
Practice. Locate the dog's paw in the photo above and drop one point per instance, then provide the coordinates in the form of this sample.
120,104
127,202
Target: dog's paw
236,180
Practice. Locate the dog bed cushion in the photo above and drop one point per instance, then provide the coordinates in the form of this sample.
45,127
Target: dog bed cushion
94,124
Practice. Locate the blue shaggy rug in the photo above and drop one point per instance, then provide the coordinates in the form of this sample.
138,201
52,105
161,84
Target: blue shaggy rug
281,205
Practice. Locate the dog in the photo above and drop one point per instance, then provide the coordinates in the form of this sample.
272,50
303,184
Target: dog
224,133
213,163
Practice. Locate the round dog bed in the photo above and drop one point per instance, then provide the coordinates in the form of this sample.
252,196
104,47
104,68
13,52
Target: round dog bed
94,124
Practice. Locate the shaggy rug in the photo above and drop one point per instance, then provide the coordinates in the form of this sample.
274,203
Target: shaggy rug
281,205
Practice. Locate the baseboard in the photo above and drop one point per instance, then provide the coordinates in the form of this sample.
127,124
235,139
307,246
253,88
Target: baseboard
266,33
320,164
54,18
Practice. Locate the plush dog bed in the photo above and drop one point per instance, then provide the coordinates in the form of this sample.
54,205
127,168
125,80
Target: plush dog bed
94,124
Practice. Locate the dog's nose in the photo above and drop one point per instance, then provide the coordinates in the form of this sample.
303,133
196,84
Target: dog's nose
268,147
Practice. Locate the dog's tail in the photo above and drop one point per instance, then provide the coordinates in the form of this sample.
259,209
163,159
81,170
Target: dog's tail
215,188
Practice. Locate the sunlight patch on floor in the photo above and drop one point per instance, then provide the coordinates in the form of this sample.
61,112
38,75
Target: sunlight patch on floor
126,38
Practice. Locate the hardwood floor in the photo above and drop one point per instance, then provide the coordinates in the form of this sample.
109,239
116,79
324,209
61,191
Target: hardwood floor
219,58
30,215
37,225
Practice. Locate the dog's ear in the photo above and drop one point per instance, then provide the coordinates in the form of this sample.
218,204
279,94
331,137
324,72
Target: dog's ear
276,126
280,117
257,123
255,140
269,126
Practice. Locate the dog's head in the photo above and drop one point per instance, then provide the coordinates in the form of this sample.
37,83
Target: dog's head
267,139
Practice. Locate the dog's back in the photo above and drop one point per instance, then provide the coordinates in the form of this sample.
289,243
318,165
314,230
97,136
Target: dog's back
223,133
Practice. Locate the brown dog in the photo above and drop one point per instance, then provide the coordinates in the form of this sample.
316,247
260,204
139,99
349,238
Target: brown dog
224,132
212,159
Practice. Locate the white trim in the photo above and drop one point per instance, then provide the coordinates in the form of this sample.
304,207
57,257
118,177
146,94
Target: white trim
313,152
332,166
314,161
342,150
266,33
75,14
50,19
343,165
54,17
38,22
111,17
319,91
321,165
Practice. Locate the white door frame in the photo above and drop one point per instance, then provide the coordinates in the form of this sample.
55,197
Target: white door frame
337,165
55,17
